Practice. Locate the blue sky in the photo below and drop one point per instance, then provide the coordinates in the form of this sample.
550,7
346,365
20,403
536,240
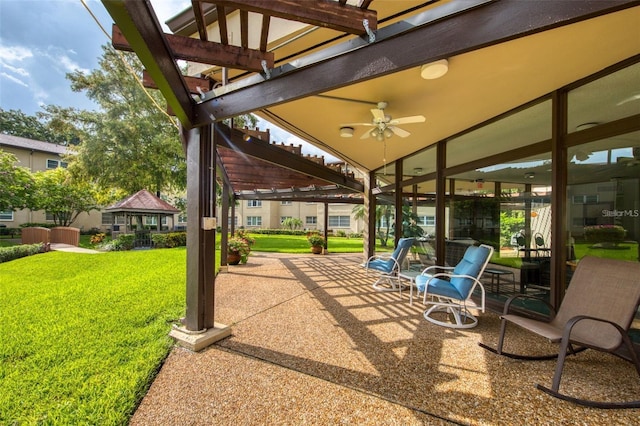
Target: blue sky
43,40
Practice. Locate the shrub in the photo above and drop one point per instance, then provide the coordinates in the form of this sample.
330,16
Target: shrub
123,242
36,224
341,233
98,238
316,240
160,240
278,232
177,239
12,232
170,240
604,233
23,250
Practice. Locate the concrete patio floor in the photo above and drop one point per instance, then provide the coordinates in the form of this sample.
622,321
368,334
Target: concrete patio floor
313,343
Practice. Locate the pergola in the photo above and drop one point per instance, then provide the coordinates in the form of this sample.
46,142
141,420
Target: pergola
312,68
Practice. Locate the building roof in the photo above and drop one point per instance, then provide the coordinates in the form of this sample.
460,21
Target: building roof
143,202
30,144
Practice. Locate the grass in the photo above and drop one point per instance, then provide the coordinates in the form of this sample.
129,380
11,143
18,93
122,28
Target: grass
84,335
299,244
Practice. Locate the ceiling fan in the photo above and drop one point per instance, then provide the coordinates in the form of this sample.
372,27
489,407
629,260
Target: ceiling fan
384,126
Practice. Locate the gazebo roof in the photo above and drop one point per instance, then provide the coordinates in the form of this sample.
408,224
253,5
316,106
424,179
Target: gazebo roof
143,202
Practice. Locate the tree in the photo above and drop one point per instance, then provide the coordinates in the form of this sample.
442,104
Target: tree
16,183
59,194
382,211
130,144
292,223
410,227
17,123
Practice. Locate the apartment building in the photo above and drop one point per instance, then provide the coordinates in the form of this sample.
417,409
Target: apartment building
39,156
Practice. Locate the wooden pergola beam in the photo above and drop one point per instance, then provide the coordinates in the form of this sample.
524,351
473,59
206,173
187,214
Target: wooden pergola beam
322,13
205,52
144,35
234,139
193,83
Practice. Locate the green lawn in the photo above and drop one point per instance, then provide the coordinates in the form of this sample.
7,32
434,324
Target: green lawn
299,244
84,335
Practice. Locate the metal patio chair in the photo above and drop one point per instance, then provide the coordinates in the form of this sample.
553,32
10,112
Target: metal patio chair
389,266
596,312
449,289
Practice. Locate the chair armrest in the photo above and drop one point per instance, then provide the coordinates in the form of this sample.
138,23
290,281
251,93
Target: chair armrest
424,272
510,300
568,327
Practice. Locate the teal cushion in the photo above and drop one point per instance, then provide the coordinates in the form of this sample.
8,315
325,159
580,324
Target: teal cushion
457,287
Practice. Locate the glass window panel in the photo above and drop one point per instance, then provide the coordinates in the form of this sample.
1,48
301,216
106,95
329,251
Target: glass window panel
607,99
517,130
603,209
422,163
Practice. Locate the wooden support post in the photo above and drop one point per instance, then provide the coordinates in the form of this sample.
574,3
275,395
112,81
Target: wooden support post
398,203
441,157
559,160
224,226
200,242
369,243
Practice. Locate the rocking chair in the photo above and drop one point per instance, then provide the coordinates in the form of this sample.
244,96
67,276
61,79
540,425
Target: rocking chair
596,312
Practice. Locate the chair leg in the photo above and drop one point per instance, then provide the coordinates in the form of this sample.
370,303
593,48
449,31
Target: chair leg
503,329
565,348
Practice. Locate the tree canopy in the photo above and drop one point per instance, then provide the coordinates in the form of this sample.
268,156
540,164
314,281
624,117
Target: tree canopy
58,193
130,144
17,123
16,183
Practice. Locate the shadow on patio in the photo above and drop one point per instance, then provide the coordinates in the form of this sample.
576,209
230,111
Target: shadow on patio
313,343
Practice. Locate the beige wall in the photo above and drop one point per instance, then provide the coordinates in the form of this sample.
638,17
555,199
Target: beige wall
37,161
272,212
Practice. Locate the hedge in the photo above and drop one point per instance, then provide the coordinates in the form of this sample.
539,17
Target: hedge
23,250
170,240
604,233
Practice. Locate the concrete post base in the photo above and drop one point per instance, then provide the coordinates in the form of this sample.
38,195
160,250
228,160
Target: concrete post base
198,340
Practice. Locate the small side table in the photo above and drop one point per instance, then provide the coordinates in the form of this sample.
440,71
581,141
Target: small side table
495,276
411,277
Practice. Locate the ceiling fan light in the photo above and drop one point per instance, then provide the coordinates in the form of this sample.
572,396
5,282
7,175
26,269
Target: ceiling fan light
434,70
380,137
375,132
346,132
388,133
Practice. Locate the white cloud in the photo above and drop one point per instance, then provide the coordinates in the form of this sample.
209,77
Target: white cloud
15,70
13,54
14,79
70,65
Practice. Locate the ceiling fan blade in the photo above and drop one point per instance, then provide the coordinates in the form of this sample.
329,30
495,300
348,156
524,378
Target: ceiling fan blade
357,124
378,114
400,132
366,135
409,120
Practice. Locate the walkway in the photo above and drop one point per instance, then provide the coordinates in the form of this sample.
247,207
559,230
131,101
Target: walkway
72,248
312,343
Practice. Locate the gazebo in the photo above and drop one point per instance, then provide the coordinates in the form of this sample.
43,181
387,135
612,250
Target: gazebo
143,204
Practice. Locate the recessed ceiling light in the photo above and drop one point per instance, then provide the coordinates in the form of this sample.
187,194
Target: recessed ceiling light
346,132
434,70
585,126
